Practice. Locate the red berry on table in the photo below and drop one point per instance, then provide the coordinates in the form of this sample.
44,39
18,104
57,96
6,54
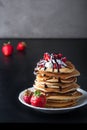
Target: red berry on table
7,49
21,46
27,96
38,99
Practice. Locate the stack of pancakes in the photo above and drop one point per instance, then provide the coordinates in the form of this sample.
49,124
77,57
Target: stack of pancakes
56,77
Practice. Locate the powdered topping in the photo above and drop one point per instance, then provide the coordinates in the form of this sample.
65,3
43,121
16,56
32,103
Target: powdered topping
51,61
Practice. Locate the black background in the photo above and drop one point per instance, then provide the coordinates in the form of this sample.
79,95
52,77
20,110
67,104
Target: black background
16,74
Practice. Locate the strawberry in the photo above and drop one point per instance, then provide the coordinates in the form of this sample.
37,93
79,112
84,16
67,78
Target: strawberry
55,56
21,46
27,96
55,66
38,99
60,56
46,56
7,49
64,59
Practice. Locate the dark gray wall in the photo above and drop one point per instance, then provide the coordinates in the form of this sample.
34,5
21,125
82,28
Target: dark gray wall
43,18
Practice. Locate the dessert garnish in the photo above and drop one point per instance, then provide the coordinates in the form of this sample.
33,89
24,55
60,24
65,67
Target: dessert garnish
52,61
38,99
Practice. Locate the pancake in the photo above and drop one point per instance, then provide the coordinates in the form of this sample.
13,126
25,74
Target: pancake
61,101
72,87
53,85
46,78
75,73
69,80
68,96
60,105
68,69
50,79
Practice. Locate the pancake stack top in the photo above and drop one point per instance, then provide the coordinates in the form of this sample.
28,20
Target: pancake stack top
56,77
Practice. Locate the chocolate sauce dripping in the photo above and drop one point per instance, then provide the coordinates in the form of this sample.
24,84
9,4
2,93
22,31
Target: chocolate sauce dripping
57,65
44,68
55,62
46,86
59,80
52,58
60,88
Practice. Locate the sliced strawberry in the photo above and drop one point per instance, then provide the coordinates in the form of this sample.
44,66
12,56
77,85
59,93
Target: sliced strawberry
55,56
60,56
55,66
64,59
46,56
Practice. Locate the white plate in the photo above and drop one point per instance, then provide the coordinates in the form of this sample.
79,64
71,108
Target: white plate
81,102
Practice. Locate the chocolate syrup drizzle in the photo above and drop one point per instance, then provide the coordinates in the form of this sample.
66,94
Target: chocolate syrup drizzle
46,86
42,62
60,88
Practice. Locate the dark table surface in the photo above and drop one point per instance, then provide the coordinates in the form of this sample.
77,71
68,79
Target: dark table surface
16,74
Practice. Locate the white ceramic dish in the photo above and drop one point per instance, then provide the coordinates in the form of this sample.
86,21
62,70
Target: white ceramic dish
81,102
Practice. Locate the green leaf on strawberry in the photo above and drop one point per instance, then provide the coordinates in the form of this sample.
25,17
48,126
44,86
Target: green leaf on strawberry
37,93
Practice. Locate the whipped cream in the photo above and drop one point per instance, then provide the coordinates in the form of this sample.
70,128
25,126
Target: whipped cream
51,61
49,64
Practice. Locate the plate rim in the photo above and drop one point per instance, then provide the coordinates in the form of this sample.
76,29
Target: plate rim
20,96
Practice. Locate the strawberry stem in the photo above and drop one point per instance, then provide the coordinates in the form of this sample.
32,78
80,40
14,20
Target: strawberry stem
9,42
28,92
37,93
24,44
